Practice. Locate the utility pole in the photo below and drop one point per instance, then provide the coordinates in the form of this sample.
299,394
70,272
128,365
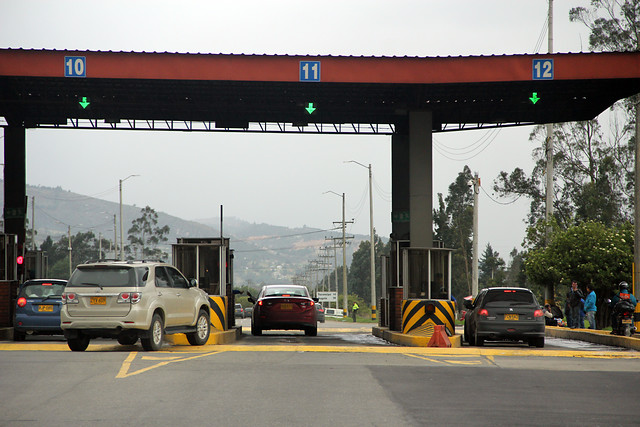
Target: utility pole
549,291
372,250
115,238
69,237
33,223
474,250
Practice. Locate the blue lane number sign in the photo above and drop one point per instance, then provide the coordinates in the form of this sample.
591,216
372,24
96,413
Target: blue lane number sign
75,66
543,69
309,71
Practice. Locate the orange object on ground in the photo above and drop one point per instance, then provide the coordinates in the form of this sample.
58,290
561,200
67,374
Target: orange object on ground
439,337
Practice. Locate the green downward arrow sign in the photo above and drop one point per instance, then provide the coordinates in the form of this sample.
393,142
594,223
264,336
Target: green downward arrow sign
310,108
534,98
84,103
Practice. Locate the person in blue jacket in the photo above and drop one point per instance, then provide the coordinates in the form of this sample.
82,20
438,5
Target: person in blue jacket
590,307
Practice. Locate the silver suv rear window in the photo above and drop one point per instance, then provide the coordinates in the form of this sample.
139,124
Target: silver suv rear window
109,276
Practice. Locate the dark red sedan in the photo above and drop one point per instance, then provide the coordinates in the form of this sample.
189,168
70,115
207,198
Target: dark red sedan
284,307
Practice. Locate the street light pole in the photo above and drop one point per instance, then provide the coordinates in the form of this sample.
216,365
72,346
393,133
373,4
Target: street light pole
121,239
372,242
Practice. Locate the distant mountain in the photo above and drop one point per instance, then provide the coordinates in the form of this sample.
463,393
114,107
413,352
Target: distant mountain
263,253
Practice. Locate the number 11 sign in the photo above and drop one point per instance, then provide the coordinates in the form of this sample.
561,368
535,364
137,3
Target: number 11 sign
309,71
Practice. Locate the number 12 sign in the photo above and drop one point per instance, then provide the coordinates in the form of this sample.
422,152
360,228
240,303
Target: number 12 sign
309,71
543,69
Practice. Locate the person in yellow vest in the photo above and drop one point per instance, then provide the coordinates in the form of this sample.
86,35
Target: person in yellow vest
354,310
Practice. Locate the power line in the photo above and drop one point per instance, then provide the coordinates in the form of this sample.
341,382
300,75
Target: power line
500,203
286,235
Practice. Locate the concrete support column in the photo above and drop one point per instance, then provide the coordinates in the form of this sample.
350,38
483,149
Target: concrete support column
420,179
400,183
15,192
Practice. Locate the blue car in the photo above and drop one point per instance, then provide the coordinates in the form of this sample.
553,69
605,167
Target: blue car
38,308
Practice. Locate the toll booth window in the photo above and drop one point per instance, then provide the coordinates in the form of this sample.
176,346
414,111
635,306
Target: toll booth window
177,279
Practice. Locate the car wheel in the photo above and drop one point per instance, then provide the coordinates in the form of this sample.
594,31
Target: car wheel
201,335
479,341
80,343
255,330
539,342
19,336
471,339
312,331
153,341
127,338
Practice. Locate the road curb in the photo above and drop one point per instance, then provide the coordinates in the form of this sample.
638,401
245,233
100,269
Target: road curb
410,340
593,336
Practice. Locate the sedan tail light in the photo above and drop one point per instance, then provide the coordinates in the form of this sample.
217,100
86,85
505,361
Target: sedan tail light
22,301
483,312
70,298
538,313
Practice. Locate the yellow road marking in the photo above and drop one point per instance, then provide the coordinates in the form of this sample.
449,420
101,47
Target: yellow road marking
450,361
124,369
487,352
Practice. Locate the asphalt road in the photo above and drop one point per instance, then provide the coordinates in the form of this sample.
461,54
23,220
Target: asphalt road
342,377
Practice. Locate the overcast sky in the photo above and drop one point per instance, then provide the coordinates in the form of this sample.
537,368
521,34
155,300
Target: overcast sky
280,178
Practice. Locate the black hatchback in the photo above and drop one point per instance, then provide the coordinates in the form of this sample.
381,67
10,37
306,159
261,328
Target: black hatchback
504,314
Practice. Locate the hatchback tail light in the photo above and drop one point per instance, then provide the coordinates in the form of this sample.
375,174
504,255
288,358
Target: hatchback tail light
70,298
538,313
22,301
483,312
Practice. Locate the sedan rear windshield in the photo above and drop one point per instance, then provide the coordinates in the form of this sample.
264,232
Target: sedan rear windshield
106,276
509,295
278,291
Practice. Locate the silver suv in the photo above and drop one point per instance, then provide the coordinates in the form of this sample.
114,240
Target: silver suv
128,300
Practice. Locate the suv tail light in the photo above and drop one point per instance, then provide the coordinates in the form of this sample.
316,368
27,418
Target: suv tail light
538,313
70,298
129,297
483,312
22,301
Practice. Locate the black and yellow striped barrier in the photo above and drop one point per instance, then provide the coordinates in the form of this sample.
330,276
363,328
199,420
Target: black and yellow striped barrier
218,312
420,316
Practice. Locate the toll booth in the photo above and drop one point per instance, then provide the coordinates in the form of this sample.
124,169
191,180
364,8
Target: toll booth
418,290
200,259
8,277
36,265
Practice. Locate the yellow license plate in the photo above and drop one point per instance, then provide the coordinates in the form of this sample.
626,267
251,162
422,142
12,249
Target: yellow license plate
511,317
626,321
98,301
286,306
45,308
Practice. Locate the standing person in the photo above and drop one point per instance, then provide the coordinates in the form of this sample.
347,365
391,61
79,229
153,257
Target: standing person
590,307
354,310
574,304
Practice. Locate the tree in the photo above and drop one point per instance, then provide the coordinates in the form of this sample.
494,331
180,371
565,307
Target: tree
592,177
145,236
454,227
359,278
84,247
491,269
589,253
